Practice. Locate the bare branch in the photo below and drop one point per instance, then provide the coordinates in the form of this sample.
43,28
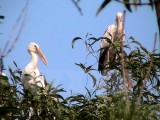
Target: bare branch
18,35
137,3
77,6
14,29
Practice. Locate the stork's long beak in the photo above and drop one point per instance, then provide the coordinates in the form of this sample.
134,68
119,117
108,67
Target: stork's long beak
42,56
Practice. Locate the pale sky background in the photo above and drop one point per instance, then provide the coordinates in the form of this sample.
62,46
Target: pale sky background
54,23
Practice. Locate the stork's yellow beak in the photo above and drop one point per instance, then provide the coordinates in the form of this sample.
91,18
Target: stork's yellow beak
42,56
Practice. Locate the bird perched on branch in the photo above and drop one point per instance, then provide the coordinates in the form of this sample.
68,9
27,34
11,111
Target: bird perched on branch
113,33
31,76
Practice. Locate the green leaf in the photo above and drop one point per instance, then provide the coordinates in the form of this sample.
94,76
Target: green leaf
102,6
55,91
4,80
11,72
135,41
78,98
81,66
132,53
145,50
88,69
47,88
93,78
74,40
58,96
89,93
126,3
102,106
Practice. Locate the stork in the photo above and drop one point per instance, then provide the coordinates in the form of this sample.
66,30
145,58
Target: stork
106,54
31,76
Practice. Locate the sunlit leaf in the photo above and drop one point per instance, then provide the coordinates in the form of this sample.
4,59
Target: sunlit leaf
102,106
138,43
94,40
4,80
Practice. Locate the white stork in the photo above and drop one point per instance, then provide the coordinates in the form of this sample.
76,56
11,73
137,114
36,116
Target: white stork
107,54
31,76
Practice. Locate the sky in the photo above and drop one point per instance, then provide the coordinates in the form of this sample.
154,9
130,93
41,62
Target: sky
53,24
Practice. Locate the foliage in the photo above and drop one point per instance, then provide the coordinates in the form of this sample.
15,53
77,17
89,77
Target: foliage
128,4
141,80
142,96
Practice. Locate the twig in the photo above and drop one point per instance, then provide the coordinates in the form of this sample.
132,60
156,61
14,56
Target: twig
13,30
149,69
77,6
139,3
18,35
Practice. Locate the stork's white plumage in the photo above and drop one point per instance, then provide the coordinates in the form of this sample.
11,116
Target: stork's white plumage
31,76
107,54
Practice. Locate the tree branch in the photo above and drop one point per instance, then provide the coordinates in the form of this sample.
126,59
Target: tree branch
139,3
77,6
23,12
123,65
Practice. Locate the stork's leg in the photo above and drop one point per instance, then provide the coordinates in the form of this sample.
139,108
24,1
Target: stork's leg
107,59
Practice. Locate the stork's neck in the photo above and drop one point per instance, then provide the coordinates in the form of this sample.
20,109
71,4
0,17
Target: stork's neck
34,60
119,26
